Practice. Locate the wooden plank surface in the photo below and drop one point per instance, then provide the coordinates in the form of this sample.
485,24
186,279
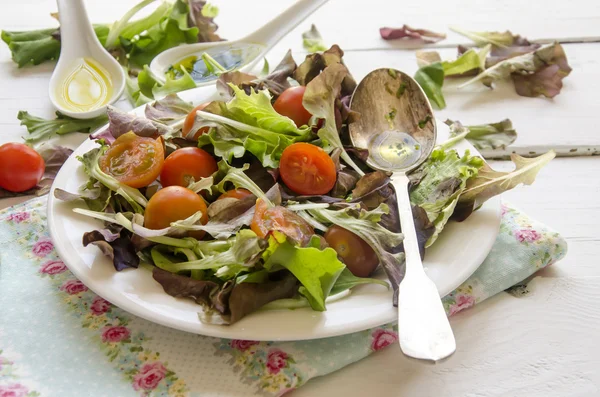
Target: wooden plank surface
542,344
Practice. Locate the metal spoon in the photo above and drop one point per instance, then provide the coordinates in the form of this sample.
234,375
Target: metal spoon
253,47
397,126
79,41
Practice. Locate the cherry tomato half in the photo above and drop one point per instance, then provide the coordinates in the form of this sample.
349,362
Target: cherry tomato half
189,122
21,167
307,169
358,256
267,219
236,194
289,104
174,203
133,160
186,164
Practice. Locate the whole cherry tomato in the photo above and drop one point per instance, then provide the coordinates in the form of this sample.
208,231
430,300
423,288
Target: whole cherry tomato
21,167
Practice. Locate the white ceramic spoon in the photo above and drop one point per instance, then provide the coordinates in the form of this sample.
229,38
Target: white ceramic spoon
257,44
79,41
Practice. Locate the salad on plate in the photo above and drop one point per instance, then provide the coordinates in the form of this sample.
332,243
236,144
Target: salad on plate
259,201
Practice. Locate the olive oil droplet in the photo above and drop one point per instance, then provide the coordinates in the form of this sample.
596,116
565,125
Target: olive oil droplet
86,87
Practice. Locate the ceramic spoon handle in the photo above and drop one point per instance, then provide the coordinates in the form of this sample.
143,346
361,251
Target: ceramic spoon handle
75,29
272,32
423,327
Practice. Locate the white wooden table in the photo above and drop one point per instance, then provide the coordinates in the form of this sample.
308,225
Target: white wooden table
542,344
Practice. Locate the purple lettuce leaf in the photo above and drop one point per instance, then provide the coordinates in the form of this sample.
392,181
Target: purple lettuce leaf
410,34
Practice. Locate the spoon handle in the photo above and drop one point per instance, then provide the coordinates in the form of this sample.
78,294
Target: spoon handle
77,35
272,32
424,330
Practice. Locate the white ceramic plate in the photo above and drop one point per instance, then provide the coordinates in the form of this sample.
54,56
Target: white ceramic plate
458,252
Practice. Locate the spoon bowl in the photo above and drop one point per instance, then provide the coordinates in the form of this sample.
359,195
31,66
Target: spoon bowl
250,49
80,45
392,105
398,128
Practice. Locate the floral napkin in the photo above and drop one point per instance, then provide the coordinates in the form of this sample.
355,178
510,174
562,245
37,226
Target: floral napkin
57,338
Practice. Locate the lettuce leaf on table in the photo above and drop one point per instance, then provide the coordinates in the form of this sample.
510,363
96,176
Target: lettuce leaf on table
431,79
39,128
485,136
410,34
312,40
536,73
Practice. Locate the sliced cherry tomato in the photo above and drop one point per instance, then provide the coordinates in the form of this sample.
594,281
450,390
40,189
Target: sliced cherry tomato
21,167
289,104
267,219
187,164
307,169
189,122
174,203
358,256
236,194
133,160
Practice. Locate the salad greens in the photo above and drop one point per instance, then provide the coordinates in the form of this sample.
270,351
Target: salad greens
133,43
278,191
312,40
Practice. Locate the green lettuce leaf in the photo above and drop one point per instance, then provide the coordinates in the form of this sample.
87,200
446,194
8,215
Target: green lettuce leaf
347,281
445,178
431,79
117,28
500,39
243,254
316,269
319,100
152,88
40,128
170,32
471,60
249,123
312,40
485,136
239,179
489,183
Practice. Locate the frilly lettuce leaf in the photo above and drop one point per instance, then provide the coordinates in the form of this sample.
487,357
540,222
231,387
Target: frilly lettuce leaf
242,255
249,123
347,280
316,269
485,136
489,183
445,178
312,40
319,100
39,128
152,88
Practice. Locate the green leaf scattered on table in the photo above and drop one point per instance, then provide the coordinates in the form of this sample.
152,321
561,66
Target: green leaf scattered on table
40,128
431,79
312,40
